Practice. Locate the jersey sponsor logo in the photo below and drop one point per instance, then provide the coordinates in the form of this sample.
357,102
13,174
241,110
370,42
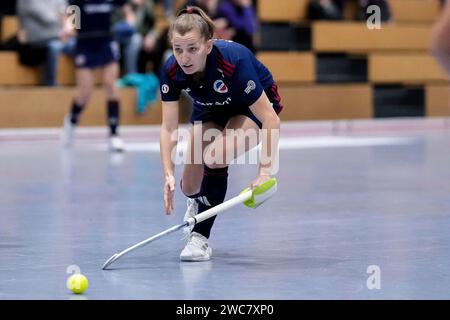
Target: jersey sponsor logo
165,88
220,86
217,103
251,85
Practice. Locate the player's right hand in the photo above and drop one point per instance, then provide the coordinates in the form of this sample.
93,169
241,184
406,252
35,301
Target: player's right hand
169,190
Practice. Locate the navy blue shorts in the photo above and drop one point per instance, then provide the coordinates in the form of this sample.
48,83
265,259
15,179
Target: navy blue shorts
221,115
95,56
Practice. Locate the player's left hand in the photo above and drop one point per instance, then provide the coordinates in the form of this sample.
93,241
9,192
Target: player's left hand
169,190
263,188
259,181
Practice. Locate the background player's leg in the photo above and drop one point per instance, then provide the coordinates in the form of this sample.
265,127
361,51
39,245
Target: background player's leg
85,87
110,76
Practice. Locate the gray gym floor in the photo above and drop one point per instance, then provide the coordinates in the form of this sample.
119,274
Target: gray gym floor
362,212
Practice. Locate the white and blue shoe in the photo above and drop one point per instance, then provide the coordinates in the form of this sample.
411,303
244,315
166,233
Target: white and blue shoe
116,144
196,249
67,132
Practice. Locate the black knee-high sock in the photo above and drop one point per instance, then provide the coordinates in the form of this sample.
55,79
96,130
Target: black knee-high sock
75,112
212,193
113,116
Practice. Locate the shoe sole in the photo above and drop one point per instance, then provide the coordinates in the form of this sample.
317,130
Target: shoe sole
195,259
199,259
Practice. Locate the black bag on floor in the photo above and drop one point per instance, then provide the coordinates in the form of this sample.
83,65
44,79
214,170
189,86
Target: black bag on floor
31,56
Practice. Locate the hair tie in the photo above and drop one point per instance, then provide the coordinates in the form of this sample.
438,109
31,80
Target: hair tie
190,10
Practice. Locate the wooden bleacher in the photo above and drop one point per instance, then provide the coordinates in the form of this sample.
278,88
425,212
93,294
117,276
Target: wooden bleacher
318,102
15,74
290,66
355,37
437,100
407,68
289,11
414,10
9,27
46,107
295,11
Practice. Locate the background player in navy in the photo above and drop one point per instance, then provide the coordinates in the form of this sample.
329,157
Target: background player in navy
96,49
230,89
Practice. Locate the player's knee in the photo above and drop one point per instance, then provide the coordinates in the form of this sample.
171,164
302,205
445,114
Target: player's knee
110,90
213,163
83,96
189,187
215,158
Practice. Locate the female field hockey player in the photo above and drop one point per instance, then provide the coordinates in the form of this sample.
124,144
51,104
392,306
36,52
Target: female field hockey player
231,90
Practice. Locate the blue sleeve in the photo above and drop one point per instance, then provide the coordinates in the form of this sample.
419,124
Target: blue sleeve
246,84
169,89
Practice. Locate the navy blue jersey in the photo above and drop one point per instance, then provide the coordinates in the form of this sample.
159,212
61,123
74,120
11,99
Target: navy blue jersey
234,79
96,20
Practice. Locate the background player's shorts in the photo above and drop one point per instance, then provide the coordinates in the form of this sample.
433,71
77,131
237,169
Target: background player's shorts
222,114
94,56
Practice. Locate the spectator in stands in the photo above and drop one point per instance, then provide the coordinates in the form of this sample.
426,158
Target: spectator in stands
168,8
242,19
41,28
136,32
324,10
364,4
211,7
334,9
440,40
96,49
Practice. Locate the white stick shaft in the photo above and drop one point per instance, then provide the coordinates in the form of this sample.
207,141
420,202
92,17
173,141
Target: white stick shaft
153,238
191,221
222,207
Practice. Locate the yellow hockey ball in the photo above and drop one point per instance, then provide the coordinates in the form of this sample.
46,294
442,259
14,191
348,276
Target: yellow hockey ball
77,283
